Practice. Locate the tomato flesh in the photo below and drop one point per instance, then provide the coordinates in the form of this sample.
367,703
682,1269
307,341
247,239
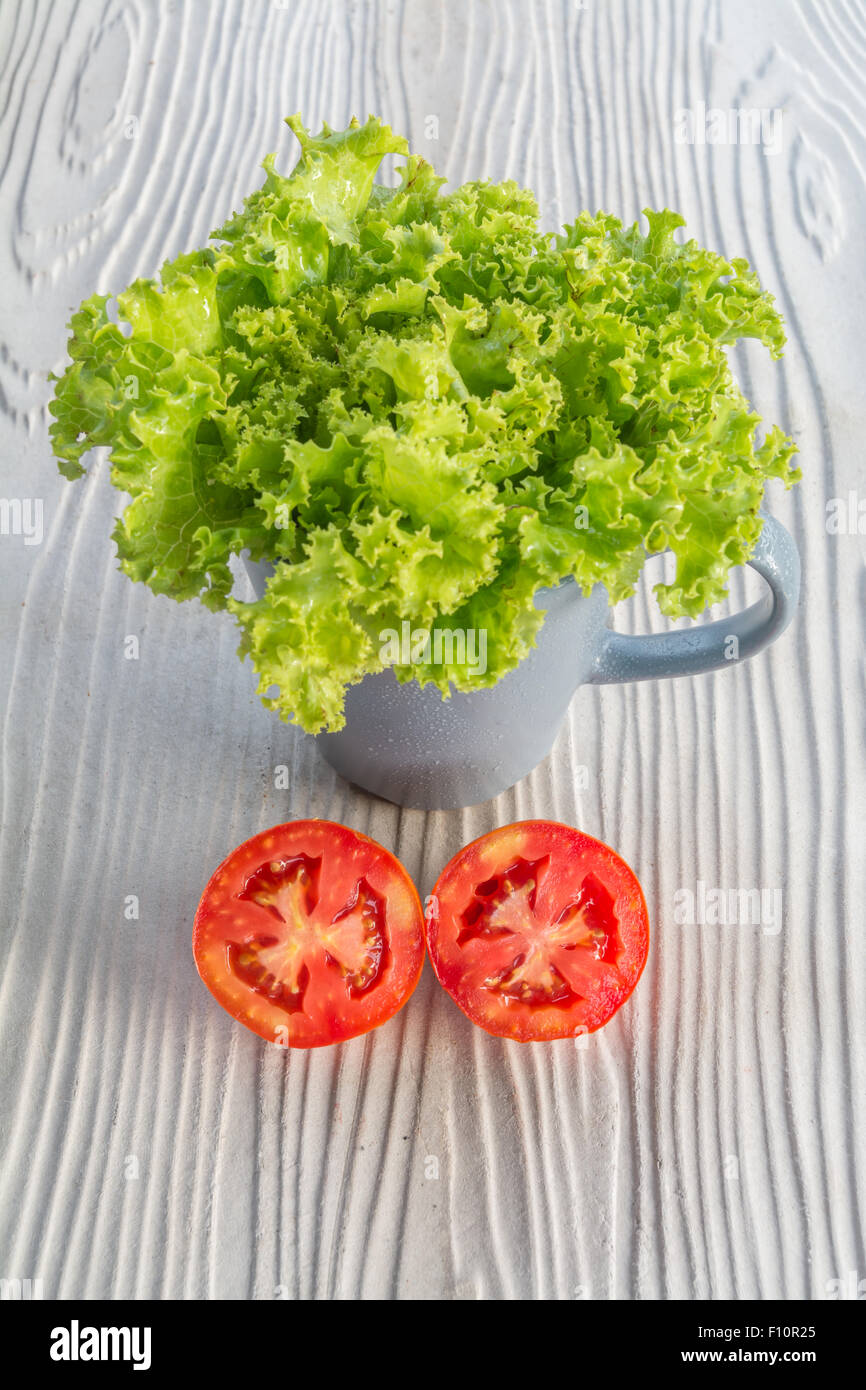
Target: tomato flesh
538,931
310,933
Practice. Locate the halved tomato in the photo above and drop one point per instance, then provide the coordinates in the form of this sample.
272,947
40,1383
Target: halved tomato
537,931
310,933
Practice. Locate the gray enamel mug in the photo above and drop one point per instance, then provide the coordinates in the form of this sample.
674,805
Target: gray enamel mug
408,745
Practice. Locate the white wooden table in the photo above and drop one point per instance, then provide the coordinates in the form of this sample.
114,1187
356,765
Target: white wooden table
706,1143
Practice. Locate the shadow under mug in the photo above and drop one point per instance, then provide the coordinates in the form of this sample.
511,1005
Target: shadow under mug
408,745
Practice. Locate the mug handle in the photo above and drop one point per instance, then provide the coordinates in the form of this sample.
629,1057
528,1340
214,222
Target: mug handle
691,651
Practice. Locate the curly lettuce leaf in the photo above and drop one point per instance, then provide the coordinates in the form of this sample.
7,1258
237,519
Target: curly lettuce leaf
421,410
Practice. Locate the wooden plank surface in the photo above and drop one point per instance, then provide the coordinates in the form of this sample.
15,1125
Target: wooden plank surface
709,1143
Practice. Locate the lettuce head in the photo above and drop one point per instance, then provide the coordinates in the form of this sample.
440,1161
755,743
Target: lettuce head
419,407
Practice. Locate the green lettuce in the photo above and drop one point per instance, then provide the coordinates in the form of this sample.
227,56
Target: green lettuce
421,409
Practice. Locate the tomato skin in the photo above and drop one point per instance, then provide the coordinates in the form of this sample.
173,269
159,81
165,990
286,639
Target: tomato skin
349,903
537,931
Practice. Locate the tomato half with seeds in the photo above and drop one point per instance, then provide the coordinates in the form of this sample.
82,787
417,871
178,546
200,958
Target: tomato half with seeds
310,933
537,931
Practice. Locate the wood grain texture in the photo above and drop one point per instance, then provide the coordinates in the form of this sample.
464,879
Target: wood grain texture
709,1142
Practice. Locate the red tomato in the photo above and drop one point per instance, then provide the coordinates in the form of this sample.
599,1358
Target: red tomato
537,931
309,933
